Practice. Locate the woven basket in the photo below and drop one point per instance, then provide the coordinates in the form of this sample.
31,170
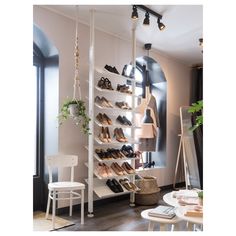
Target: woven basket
149,193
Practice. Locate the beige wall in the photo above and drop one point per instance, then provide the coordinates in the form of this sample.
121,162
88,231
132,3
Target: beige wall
113,51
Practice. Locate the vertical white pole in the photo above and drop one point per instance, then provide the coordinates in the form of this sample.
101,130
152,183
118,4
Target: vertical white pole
132,195
91,115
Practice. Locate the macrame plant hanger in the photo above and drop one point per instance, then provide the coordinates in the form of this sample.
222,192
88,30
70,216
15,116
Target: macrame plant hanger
76,85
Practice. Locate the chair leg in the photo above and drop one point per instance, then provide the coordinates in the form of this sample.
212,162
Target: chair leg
53,209
70,203
82,207
48,205
151,225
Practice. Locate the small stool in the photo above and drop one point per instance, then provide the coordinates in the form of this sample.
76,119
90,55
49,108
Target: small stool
162,221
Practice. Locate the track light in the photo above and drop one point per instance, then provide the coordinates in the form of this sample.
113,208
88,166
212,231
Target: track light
134,15
161,26
201,42
148,12
146,20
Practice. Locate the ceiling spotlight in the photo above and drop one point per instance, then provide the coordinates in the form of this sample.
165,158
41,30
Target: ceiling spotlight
134,15
201,42
146,20
161,26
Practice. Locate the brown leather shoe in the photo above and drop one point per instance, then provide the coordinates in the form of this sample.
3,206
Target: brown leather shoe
107,119
128,168
115,169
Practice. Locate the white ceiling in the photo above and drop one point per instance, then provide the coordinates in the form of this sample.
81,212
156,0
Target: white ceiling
184,26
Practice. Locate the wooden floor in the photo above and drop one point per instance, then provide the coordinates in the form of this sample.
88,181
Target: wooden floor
112,216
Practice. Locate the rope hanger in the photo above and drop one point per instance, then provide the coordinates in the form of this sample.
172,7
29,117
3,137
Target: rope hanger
76,54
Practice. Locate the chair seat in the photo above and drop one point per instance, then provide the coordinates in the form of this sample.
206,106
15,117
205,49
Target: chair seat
65,186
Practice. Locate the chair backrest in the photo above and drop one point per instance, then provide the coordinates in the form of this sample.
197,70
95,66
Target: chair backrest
60,161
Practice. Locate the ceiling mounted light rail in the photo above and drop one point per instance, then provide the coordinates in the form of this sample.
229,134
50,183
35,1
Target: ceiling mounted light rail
148,12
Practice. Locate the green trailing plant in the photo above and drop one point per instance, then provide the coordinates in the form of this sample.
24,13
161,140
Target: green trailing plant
80,118
198,109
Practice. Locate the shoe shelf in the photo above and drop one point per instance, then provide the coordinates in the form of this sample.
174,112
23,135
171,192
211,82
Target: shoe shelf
114,160
113,92
115,142
115,124
103,191
115,108
105,73
114,175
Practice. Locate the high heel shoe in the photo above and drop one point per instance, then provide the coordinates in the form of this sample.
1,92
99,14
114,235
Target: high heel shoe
121,133
107,134
102,135
149,164
118,136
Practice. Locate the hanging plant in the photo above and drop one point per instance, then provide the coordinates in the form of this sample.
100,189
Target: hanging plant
75,109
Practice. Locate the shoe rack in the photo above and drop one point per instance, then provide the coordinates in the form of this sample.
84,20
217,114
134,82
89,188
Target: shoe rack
96,182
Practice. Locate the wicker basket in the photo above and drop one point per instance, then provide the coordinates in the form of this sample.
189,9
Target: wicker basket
149,193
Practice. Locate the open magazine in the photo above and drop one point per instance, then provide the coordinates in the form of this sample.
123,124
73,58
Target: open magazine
167,212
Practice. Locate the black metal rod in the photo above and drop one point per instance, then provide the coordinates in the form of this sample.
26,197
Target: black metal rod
144,8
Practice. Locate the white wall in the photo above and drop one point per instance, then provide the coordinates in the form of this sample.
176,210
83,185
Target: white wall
112,51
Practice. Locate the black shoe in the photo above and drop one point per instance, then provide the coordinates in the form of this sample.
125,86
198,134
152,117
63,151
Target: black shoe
108,68
115,70
120,120
127,122
115,182
112,186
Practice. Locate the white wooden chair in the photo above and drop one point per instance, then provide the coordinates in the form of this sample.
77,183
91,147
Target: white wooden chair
69,187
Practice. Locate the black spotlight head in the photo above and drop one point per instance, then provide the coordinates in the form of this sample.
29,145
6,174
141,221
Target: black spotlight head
161,26
134,15
147,46
146,20
201,42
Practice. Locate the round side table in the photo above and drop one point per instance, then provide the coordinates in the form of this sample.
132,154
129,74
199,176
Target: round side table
162,221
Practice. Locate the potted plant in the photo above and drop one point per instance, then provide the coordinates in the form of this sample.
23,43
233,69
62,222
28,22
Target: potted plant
75,109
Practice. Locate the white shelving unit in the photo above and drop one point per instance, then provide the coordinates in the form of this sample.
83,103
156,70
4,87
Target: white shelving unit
97,184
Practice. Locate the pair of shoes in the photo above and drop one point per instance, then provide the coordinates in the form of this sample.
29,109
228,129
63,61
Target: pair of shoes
128,151
103,119
123,105
103,102
117,169
111,69
128,168
115,153
149,164
103,170
102,154
114,186
105,83
123,120
128,71
123,88
119,135
104,135
129,185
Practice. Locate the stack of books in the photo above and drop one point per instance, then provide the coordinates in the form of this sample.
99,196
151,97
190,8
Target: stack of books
167,212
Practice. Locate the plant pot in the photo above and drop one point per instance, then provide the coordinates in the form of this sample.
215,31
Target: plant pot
74,110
